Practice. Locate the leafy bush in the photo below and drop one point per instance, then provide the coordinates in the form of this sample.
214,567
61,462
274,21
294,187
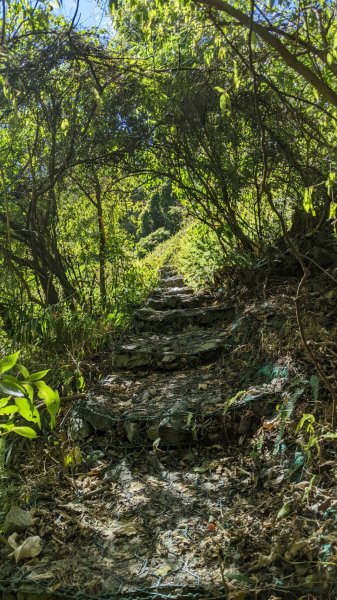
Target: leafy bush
20,398
194,251
148,243
162,211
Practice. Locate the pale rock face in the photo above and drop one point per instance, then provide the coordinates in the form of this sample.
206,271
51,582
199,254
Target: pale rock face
78,428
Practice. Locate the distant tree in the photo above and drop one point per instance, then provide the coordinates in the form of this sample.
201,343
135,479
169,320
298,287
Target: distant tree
160,212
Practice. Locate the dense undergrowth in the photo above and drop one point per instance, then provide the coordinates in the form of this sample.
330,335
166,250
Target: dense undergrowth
72,340
67,337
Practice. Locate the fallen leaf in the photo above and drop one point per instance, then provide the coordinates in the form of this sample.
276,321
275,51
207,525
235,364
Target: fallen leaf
136,486
12,540
295,548
265,560
164,570
128,528
283,512
30,548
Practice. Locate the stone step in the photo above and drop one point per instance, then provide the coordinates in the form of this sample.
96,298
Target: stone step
181,407
170,352
175,291
167,271
173,281
148,319
174,300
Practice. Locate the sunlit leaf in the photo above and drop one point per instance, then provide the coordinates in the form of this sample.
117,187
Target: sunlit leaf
306,418
51,399
9,387
225,102
330,182
4,401
9,410
23,431
38,375
9,362
307,201
28,410
73,457
23,370
333,210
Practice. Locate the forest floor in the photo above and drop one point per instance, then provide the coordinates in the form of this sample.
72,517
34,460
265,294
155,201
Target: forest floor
183,474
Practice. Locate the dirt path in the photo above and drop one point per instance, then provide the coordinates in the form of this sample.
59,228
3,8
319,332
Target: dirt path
179,492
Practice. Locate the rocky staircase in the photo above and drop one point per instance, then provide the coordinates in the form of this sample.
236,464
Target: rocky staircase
163,385
174,309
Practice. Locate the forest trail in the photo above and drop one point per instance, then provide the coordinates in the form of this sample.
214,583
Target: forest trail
170,499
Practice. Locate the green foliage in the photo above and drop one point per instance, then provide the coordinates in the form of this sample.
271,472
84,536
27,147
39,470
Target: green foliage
198,255
21,398
286,409
308,202
160,144
148,243
161,212
307,422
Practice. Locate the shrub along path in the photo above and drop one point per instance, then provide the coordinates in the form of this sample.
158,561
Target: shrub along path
184,477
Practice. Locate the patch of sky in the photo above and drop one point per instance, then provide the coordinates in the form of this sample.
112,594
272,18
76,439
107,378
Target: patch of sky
90,13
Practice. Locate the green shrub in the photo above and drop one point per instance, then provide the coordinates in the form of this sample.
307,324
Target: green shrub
148,243
20,399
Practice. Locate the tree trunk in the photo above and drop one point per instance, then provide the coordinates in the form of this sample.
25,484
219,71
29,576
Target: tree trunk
102,246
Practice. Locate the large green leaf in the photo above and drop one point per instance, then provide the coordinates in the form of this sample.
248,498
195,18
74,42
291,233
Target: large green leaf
28,410
29,391
9,362
24,431
4,401
9,410
38,375
24,371
11,378
308,202
51,399
11,388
